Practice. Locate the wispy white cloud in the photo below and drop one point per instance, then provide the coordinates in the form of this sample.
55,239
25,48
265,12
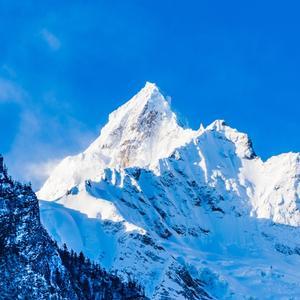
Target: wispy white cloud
38,172
47,132
10,91
8,70
51,39
41,142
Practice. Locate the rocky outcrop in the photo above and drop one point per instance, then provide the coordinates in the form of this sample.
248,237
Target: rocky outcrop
31,264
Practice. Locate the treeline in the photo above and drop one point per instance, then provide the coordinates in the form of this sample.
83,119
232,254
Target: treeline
32,266
90,281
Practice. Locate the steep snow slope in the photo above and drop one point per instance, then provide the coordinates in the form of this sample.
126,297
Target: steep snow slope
193,214
137,134
277,189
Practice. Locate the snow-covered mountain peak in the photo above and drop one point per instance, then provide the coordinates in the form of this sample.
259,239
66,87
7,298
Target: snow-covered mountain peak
218,125
149,98
242,142
150,93
188,212
144,112
138,134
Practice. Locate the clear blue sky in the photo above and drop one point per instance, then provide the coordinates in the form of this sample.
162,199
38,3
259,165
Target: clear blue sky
64,65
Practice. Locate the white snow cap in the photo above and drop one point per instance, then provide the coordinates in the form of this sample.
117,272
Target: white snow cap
141,131
217,125
138,133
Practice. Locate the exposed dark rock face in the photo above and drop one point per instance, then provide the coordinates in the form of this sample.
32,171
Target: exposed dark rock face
31,264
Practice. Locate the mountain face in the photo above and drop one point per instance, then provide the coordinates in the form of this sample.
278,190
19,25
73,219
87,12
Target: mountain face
139,133
190,214
31,264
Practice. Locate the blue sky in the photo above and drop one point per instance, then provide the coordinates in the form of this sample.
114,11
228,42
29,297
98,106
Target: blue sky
64,65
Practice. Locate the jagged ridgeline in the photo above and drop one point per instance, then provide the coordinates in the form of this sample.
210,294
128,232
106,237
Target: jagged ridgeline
32,266
194,214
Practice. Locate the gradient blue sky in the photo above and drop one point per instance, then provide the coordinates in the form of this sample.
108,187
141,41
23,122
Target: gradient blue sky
64,65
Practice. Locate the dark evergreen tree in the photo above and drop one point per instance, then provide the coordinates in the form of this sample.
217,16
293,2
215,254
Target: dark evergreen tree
33,267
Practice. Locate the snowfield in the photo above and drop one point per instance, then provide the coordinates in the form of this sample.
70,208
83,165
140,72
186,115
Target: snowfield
191,214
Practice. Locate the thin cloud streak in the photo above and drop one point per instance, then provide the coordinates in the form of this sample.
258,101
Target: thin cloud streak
10,91
44,136
52,40
40,171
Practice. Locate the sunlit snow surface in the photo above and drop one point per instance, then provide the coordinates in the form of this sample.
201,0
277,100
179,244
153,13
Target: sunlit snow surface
152,199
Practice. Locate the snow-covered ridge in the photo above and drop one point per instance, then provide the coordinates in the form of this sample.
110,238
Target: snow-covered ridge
138,133
177,207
